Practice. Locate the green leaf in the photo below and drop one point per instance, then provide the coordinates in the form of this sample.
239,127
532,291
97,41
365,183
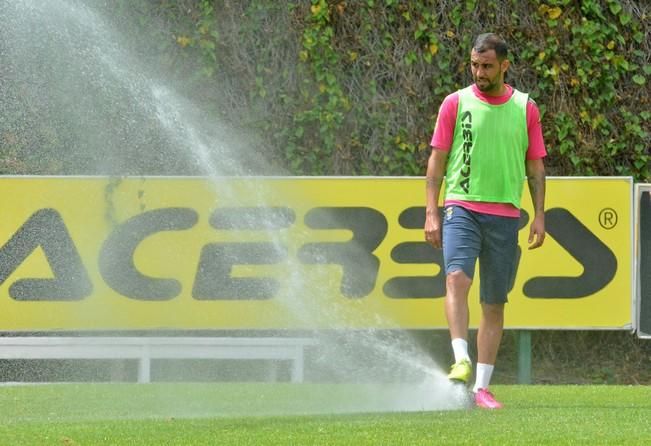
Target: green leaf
639,79
615,7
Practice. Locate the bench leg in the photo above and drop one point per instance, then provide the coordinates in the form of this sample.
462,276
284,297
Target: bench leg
297,367
144,370
272,375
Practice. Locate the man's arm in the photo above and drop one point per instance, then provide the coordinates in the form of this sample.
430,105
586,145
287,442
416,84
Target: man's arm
536,181
434,178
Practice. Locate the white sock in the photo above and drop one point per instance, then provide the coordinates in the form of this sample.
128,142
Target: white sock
483,376
460,349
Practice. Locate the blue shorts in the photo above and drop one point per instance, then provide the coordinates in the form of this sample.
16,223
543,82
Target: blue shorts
468,236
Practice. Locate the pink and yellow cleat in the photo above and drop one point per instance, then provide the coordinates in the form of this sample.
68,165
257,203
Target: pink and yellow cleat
485,400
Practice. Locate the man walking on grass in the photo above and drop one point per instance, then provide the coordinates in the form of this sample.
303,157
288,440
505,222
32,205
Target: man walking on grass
487,139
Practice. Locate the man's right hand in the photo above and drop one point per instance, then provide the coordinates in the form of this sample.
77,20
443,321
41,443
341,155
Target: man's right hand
433,229
433,180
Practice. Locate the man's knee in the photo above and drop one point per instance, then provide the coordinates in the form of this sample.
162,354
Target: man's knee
493,312
458,278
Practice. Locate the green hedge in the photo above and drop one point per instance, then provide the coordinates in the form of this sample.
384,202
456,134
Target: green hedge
333,87
353,87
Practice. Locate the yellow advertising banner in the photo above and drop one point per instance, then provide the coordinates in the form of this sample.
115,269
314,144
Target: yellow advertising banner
99,253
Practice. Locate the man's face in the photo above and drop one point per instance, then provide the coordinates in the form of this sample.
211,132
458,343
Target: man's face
487,71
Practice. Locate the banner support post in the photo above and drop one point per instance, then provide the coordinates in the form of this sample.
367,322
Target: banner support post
523,339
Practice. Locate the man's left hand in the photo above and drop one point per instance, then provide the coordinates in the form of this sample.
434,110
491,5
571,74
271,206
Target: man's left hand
537,232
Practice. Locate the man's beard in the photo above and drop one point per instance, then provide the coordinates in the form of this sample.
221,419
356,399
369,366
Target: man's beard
488,86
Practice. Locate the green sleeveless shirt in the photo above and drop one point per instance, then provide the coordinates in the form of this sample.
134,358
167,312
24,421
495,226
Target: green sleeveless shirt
487,158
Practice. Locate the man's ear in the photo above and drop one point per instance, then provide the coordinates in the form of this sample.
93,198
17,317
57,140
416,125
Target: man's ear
505,65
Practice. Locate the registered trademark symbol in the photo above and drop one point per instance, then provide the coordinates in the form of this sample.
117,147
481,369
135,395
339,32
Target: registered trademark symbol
608,218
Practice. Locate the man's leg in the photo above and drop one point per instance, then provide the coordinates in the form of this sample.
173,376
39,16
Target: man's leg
497,266
461,248
456,303
490,331
489,336
457,314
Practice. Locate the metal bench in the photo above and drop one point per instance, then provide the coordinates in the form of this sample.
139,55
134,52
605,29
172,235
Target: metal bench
144,349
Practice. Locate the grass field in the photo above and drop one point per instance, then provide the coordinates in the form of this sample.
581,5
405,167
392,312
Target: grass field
314,414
